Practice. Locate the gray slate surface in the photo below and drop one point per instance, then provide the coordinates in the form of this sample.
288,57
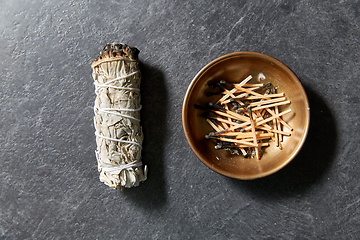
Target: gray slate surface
48,173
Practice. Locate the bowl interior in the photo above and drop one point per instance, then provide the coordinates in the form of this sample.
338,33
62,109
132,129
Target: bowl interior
234,68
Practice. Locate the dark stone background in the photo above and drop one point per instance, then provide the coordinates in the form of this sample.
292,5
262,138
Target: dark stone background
48,172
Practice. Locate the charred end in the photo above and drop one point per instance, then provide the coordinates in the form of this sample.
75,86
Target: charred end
115,51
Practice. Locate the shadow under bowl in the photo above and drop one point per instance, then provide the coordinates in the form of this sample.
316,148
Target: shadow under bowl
233,68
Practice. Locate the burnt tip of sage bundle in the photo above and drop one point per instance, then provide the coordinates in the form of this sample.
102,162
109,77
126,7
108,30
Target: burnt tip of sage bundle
120,49
116,50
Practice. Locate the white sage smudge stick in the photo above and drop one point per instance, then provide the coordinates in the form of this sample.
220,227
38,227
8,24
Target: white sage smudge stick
119,136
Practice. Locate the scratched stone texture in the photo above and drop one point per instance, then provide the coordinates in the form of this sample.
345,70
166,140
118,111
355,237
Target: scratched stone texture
48,173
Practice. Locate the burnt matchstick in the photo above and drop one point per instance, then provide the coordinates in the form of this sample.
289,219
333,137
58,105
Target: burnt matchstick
212,120
213,136
240,106
278,126
279,119
262,87
263,102
272,105
214,125
253,131
209,137
234,89
234,149
223,82
207,114
212,105
234,115
267,96
242,143
221,86
235,104
231,94
236,98
223,145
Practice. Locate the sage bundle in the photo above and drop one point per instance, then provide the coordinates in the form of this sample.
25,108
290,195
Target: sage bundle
119,136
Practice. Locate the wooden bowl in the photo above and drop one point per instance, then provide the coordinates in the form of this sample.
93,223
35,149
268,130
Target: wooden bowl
235,67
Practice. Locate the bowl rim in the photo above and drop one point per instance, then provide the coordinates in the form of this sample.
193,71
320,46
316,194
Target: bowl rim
208,66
